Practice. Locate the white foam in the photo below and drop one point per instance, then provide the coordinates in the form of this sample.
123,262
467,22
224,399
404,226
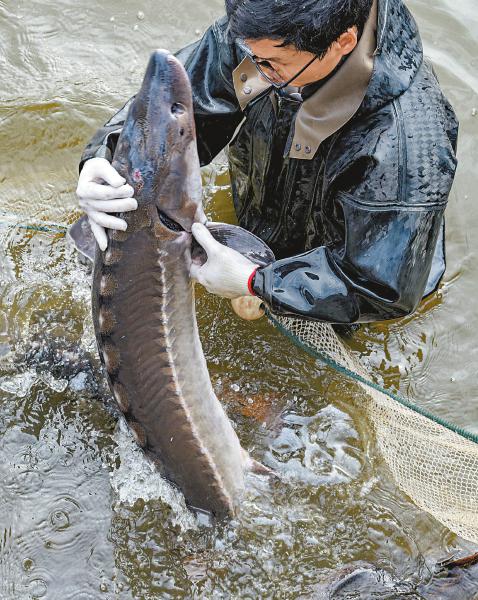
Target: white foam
137,478
18,385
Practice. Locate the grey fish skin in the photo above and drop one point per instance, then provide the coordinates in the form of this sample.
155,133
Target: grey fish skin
143,301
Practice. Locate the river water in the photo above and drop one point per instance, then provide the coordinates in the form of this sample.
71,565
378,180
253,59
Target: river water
81,514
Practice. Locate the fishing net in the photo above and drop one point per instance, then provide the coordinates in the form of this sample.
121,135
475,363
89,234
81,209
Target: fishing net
432,461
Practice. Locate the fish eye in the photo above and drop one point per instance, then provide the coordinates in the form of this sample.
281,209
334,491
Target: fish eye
178,109
181,131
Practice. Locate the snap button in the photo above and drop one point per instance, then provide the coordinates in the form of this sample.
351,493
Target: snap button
243,77
247,90
298,147
308,149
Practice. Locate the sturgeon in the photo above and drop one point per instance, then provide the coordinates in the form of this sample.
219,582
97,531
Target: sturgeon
143,299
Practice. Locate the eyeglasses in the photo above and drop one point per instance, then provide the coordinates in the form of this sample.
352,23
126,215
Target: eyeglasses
269,73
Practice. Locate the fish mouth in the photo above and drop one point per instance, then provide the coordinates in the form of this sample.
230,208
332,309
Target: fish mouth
170,223
173,225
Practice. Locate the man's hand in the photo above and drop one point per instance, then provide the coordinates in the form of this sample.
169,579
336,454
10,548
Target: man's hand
226,272
248,308
102,190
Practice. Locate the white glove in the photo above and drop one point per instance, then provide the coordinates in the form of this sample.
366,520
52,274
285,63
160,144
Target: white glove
102,190
226,272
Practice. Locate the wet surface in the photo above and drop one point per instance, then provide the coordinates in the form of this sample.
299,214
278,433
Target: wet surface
81,514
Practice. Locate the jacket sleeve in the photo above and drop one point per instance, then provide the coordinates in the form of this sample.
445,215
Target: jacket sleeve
209,63
379,271
387,188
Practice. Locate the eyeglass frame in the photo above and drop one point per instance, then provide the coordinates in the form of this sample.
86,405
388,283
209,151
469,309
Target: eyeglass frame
277,86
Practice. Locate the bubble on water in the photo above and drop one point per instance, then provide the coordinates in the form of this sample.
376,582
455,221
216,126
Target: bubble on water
112,19
136,478
18,385
28,564
57,385
59,520
79,382
140,15
37,588
474,112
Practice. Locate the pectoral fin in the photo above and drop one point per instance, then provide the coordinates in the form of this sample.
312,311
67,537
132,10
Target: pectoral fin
82,237
239,239
258,468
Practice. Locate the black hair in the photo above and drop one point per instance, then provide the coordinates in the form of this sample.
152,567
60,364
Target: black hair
309,25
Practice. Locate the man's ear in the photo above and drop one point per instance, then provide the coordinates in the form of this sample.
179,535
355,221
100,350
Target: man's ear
347,41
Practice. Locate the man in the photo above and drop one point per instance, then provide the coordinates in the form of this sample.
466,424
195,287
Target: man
342,163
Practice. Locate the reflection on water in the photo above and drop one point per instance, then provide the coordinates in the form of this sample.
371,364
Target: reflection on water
81,514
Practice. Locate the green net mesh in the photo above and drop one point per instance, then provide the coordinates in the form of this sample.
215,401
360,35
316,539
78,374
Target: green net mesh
433,462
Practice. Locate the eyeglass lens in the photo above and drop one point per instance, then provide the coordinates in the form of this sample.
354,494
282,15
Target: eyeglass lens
266,69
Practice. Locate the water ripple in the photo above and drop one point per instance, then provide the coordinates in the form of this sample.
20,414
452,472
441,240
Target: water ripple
82,516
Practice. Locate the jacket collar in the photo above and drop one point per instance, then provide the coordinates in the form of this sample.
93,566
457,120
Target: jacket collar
332,105
337,101
398,57
248,84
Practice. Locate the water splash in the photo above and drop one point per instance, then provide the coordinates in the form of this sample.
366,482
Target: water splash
136,478
18,385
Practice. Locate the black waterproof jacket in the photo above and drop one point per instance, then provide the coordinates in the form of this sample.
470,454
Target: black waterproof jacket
347,187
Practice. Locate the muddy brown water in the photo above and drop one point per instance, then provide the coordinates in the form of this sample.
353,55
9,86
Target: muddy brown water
81,514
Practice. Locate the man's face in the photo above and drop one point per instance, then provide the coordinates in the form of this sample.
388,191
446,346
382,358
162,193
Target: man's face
280,64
